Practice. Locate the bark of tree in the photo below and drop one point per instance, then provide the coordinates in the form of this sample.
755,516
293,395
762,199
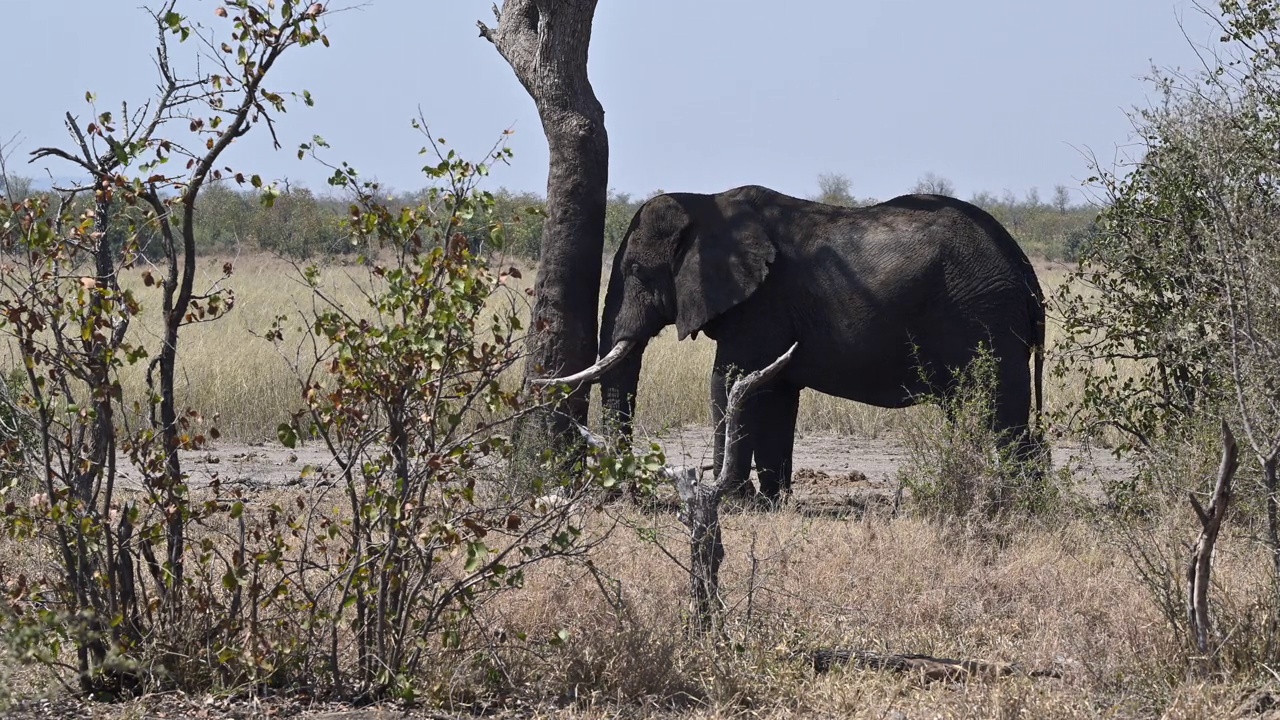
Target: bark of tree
701,503
1200,568
545,42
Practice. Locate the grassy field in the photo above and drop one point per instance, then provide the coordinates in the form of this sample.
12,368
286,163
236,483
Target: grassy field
1060,596
1060,601
227,370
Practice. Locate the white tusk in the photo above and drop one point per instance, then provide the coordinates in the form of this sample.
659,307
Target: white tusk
593,440
595,371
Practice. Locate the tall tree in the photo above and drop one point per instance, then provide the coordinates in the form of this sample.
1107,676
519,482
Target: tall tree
545,42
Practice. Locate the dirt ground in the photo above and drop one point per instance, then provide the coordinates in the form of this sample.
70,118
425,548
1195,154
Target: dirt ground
826,467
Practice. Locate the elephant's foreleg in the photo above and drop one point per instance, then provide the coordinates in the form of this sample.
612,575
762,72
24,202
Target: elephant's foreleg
740,485
774,434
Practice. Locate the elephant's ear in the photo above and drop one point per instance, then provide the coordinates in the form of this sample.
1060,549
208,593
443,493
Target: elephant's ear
724,261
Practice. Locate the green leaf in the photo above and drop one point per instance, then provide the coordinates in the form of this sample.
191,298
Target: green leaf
287,435
476,554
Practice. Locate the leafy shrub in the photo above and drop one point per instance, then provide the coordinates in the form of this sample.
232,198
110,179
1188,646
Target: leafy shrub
130,583
405,391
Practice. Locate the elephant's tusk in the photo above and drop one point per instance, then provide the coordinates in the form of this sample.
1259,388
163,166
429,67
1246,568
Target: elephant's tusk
595,371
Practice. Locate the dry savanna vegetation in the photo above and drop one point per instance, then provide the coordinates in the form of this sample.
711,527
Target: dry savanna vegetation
230,369
243,478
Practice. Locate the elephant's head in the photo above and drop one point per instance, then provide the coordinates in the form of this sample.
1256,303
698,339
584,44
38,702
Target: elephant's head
685,259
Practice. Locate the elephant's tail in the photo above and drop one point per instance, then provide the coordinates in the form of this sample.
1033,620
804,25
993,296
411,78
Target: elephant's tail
1037,342
1036,310
1039,360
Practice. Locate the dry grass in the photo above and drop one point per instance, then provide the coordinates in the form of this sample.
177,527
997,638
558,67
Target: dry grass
1060,597
227,371
1062,600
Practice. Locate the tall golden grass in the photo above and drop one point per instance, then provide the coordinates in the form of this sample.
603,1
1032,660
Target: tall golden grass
227,369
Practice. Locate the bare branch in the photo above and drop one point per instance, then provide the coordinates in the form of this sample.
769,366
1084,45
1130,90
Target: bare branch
1201,565
41,153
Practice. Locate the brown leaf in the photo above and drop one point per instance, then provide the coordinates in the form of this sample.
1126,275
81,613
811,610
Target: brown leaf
88,283
220,12
479,530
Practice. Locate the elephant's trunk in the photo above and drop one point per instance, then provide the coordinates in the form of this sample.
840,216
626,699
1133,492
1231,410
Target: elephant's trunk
618,393
618,386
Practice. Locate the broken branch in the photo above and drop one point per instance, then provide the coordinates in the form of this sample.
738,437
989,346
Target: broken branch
1201,565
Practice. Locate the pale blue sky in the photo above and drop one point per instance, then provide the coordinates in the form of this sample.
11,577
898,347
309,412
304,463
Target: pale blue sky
699,95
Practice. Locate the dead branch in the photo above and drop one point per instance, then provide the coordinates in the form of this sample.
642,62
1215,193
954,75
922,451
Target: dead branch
1201,564
701,501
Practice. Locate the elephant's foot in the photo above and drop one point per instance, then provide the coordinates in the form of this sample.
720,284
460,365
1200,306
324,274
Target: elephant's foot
774,502
747,498
741,490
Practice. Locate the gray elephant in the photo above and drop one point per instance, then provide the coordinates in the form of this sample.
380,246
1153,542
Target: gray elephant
873,295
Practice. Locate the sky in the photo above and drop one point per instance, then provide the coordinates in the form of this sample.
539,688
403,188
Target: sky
699,95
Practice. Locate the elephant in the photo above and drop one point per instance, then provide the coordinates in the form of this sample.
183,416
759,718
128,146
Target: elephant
886,302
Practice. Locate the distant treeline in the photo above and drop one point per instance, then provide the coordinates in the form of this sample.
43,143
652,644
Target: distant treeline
303,224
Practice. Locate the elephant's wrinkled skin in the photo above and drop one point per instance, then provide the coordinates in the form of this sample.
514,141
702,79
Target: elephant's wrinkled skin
857,288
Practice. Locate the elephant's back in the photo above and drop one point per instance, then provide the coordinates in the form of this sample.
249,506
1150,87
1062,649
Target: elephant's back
913,265
958,238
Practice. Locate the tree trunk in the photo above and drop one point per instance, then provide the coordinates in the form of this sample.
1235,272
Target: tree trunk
545,42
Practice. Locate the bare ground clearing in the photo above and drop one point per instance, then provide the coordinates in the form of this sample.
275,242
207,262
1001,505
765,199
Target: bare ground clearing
828,468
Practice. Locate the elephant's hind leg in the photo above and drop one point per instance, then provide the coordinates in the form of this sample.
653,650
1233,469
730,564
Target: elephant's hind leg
1013,415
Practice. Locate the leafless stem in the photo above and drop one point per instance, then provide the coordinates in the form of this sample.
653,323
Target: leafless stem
1200,567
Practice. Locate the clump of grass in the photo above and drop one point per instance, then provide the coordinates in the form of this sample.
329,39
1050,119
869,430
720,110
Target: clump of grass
17,433
958,466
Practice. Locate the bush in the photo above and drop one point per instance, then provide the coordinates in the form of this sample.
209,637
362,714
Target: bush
957,467
130,583
407,395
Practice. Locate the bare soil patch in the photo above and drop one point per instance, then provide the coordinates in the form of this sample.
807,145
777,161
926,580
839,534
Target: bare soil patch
826,465
828,469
